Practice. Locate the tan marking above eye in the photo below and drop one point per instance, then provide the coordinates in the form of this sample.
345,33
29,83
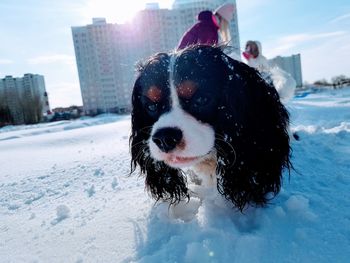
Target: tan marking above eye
186,89
154,93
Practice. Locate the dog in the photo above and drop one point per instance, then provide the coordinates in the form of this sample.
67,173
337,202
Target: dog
200,109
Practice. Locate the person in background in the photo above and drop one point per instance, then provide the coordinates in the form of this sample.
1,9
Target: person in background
253,55
282,81
210,26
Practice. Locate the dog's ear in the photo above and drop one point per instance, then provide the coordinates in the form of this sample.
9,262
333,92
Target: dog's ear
163,182
252,140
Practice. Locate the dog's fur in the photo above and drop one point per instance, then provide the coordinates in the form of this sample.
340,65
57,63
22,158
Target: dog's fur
200,108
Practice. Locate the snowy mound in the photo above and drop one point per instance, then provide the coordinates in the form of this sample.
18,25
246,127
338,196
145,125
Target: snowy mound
284,83
66,196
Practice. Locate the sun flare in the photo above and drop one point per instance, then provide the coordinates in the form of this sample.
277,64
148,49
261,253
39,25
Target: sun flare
114,11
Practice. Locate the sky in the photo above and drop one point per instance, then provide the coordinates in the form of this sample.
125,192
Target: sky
36,36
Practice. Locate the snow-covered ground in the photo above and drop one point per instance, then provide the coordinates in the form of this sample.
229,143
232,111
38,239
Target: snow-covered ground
66,196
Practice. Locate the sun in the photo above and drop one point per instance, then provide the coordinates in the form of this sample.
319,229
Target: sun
115,11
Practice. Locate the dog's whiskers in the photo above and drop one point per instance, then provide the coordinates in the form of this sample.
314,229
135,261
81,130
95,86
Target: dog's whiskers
222,151
223,139
143,142
141,153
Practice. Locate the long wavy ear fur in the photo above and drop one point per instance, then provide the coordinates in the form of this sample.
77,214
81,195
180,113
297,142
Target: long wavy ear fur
252,141
252,138
163,182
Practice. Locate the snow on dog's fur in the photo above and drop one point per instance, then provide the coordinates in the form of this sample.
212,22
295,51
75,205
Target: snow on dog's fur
200,109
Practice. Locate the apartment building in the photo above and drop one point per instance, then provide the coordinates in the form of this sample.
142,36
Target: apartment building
18,93
106,54
290,64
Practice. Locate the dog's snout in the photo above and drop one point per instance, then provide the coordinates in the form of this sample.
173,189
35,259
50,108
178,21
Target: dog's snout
167,138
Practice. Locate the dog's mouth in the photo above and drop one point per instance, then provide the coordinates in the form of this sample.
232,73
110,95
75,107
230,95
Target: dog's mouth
174,160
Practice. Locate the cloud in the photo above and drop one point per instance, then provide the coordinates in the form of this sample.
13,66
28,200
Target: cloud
340,18
289,43
297,38
323,55
52,59
327,59
63,94
5,61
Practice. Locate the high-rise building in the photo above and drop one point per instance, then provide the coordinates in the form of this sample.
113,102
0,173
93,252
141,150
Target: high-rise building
34,85
106,54
11,92
20,93
292,65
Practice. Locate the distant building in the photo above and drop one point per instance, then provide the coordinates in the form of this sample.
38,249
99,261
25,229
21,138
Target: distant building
18,94
66,113
292,65
34,85
106,54
11,92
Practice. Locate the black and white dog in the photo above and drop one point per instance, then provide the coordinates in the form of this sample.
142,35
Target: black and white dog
199,108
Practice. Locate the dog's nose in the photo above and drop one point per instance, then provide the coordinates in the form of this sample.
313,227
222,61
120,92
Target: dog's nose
167,138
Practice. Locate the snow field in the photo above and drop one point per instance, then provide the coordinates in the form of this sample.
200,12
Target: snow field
66,196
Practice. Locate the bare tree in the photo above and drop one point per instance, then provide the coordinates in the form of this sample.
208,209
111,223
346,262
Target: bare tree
5,113
31,108
322,82
339,81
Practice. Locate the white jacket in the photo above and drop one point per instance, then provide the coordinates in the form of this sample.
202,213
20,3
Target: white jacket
283,81
260,62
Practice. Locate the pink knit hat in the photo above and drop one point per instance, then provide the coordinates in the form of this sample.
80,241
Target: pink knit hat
225,11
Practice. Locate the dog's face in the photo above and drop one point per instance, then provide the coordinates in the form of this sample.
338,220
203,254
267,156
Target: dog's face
190,104
181,101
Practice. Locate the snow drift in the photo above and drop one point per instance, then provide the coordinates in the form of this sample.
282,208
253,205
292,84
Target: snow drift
66,196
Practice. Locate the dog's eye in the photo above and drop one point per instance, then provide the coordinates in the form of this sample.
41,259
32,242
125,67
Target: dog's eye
201,101
152,107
